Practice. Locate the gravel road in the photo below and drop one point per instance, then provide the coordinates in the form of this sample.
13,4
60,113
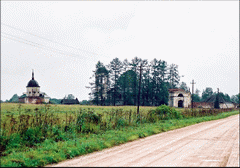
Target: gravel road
212,143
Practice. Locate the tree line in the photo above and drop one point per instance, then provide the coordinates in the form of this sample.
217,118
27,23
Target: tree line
127,82
209,92
15,99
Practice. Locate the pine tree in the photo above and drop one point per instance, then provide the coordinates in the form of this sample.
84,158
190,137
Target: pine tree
207,93
100,84
135,64
115,70
173,76
127,81
154,65
125,68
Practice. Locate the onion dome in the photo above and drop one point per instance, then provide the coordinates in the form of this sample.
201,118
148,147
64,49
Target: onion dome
33,83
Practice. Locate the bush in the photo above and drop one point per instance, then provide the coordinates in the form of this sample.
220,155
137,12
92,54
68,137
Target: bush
163,112
121,122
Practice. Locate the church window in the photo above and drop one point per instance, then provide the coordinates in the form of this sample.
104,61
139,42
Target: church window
180,95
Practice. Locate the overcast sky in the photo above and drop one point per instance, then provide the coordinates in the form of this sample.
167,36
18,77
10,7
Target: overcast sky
62,42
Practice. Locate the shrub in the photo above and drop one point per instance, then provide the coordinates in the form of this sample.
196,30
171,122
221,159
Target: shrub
121,122
165,112
151,116
85,120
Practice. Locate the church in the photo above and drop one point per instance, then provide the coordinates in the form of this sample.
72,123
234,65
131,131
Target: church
33,94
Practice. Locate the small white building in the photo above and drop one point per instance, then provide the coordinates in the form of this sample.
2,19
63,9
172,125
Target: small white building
179,98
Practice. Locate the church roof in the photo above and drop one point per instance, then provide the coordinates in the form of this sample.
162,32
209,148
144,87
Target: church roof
70,101
212,99
32,82
175,90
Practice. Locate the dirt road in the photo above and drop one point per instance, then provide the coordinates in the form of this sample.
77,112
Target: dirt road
213,143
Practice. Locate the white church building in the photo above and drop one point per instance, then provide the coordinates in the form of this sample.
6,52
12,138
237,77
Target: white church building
33,94
179,98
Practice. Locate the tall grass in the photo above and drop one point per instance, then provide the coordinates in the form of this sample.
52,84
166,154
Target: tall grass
24,129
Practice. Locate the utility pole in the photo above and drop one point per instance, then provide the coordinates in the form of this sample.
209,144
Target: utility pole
192,91
139,88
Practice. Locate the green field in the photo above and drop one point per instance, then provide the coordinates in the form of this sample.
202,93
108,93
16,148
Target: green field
36,135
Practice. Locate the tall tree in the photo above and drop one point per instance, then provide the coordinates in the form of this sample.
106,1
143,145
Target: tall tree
227,97
163,70
70,96
197,92
163,83
146,87
14,99
143,64
184,86
164,94
207,93
115,70
127,81
235,98
173,76
196,97
135,62
100,85
155,74
125,68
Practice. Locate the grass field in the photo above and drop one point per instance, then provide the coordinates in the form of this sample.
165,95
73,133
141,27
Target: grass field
36,135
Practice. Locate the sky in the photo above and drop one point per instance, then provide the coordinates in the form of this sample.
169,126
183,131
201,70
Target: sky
63,40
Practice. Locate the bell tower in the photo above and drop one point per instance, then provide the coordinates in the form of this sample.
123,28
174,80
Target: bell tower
33,88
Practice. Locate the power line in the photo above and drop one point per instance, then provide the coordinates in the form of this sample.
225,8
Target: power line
46,38
37,46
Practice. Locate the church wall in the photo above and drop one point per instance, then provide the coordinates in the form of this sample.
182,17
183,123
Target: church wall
33,100
46,100
21,100
227,105
33,89
203,105
173,99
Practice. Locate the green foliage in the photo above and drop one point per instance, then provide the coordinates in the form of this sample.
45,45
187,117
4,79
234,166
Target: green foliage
173,76
53,152
55,101
36,137
127,85
184,86
119,82
164,112
196,98
207,93
70,96
99,84
85,102
14,99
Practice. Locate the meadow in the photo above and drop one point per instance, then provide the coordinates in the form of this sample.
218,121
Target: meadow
36,135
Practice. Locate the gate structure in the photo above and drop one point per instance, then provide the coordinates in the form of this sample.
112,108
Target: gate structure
179,98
